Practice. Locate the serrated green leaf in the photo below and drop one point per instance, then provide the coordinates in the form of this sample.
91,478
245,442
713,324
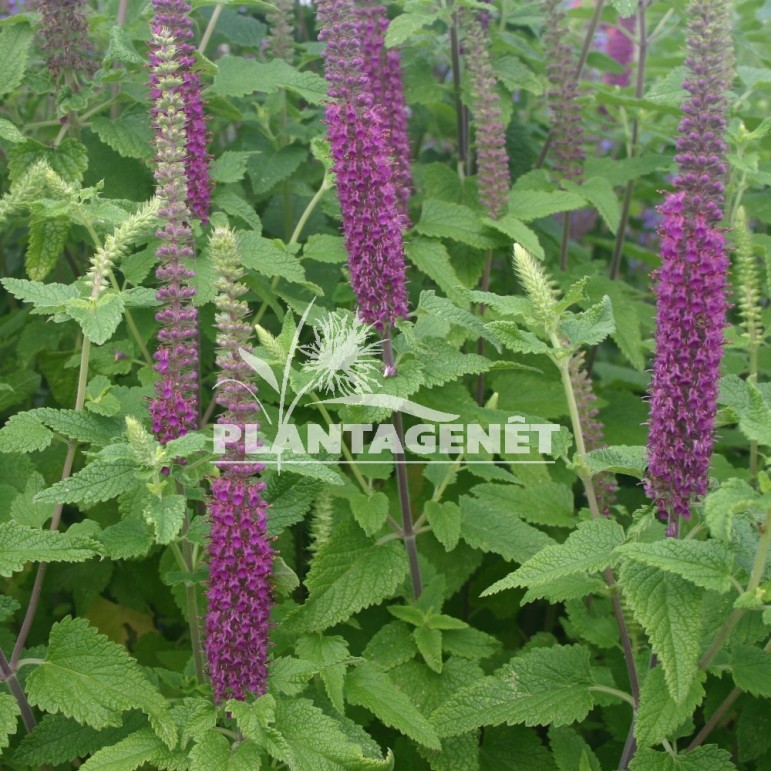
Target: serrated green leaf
130,135
443,219
69,160
97,482
528,205
47,237
20,544
24,433
235,206
324,248
126,539
166,515
444,519
15,43
721,505
670,610
391,645
368,687
240,77
516,339
25,511
230,166
46,297
370,511
78,425
404,26
135,750
121,49
544,686
87,677
659,715
599,192
429,644
548,503
618,459
590,327
707,758
512,538
704,563
97,318
469,643
571,752
751,669
9,712
269,258
587,550
213,751
431,257
348,574
331,655
267,170
9,132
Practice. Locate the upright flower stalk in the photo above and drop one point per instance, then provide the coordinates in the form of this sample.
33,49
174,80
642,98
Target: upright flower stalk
240,553
361,155
173,16
280,40
64,30
490,131
384,70
691,283
174,410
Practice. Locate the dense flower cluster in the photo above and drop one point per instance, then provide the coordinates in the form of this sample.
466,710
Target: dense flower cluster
173,16
566,121
174,409
492,158
240,552
384,71
619,46
605,485
691,301
280,40
64,29
361,154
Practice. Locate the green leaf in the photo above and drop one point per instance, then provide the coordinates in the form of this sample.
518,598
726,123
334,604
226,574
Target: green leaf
518,232
659,715
469,643
9,711
69,160
544,686
25,511
126,539
618,459
571,752
368,687
720,506
45,297
317,742
429,643
516,339
213,751
587,550
483,528
444,519
515,75
130,135
78,425
267,170
324,248
590,327
370,511
670,610
599,192
432,258
230,166
391,645
704,563
443,308
443,219
240,77
15,42
20,544
348,574
269,258
528,205
548,503
97,318
9,132
24,433
404,26
751,670
47,238
331,655
625,8
97,482
135,750
166,515
707,758
87,677
235,206
619,171
121,49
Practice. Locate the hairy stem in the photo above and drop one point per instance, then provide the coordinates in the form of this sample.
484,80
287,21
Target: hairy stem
14,686
410,543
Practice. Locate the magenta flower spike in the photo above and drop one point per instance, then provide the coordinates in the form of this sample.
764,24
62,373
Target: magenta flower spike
174,409
691,283
620,47
361,156
492,158
240,554
384,70
173,15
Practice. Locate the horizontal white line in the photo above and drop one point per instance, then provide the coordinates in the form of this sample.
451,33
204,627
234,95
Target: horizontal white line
377,462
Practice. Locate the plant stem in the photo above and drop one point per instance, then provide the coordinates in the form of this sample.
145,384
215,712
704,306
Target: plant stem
410,544
14,686
613,692
642,57
484,286
588,40
462,113
210,28
564,246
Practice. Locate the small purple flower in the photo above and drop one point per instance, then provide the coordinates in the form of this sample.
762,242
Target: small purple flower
383,69
361,155
620,47
173,16
174,410
691,283
492,158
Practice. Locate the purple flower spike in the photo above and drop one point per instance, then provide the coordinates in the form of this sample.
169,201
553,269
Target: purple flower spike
172,15
361,155
240,553
492,158
384,70
691,283
620,47
64,33
174,410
